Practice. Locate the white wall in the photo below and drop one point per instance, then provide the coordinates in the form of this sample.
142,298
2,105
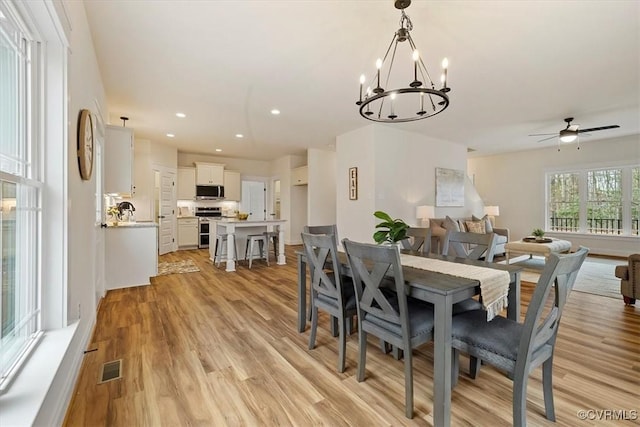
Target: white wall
293,205
321,197
148,155
516,183
396,173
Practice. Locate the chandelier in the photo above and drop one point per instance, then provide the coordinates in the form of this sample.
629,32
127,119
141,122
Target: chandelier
419,100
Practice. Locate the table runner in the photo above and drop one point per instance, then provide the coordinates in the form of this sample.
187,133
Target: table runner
494,284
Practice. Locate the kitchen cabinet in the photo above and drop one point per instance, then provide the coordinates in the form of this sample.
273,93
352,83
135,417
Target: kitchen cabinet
299,176
186,183
118,161
232,185
209,174
187,232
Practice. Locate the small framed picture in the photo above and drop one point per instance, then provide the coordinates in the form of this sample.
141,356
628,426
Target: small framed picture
353,183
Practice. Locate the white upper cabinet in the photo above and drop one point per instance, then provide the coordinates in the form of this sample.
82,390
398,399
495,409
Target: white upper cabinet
118,160
299,176
232,185
209,174
186,183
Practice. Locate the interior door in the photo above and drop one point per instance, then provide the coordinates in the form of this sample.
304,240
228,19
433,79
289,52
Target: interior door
166,201
253,199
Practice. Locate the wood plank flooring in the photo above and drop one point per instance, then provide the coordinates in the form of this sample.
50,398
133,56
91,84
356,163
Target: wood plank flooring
213,348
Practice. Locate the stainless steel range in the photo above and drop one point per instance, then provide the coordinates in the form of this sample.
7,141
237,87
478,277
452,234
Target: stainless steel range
205,214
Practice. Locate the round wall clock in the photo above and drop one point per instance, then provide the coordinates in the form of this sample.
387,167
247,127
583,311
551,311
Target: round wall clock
85,144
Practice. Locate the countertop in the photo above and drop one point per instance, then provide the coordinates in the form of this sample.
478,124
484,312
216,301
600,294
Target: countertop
249,221
139,224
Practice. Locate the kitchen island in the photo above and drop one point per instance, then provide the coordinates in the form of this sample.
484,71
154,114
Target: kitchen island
237,231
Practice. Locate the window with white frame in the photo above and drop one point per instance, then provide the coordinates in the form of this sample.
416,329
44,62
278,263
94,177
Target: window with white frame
20,194
602,201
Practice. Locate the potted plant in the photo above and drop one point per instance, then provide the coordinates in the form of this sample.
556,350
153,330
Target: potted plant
389,230
538,233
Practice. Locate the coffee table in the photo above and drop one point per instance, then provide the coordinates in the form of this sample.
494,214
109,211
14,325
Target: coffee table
534,248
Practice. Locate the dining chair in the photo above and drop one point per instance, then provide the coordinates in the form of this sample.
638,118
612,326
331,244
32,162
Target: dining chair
331,229
418,240
519,348
384,310
331,291
469,245
322,229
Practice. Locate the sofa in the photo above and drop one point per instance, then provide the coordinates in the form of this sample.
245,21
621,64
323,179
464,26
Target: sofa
629,276
439,227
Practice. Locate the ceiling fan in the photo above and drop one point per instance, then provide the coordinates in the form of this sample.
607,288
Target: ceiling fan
570,133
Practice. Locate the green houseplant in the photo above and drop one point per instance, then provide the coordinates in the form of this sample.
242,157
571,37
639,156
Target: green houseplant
389,230
538,233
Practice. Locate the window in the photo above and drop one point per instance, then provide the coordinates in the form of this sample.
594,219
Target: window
564,201
20,195
595,201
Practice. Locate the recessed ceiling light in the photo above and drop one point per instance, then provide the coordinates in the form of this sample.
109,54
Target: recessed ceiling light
170,135
218,149
181,115
239,135
275,112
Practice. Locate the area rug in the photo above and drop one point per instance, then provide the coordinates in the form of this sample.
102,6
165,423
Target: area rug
596,276
186,266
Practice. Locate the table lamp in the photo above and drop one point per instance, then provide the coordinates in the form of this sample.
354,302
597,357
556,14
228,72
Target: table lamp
492,212
425,212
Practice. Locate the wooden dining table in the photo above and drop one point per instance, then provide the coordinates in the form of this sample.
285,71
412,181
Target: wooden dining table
443,291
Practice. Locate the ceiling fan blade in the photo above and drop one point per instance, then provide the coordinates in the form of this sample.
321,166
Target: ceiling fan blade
543,134
599,128
551,137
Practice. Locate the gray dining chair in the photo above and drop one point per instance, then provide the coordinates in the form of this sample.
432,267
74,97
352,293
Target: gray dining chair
331,291
418,240
384,310
519,348
469,245
322,229
330,229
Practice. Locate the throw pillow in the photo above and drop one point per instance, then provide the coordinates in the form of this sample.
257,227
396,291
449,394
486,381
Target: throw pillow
477,227
450,224
487,226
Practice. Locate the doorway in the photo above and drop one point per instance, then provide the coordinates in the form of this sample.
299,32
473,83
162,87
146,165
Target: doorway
253,200
276,199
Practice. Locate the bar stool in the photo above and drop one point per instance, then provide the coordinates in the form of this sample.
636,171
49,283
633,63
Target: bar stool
221,239
261,239
272,236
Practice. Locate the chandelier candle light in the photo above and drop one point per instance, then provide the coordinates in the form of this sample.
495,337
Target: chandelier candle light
405,104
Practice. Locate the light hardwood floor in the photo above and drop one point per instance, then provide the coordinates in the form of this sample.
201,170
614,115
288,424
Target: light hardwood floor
213,348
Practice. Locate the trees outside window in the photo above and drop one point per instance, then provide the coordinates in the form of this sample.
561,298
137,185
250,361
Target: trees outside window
596,201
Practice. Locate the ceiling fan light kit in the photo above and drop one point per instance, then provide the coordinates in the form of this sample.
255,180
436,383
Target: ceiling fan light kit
571,133
419,100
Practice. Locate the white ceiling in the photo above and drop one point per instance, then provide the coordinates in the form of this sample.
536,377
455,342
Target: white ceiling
516,68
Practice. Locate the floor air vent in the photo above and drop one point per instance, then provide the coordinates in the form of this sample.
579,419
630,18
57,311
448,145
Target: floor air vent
111,371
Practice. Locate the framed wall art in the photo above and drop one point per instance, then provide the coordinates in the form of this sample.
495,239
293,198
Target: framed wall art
449,187
353,183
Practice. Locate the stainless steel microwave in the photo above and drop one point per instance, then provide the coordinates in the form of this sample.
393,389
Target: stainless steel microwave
209,192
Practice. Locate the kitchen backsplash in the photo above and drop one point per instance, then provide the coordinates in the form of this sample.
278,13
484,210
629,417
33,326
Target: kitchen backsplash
227,208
